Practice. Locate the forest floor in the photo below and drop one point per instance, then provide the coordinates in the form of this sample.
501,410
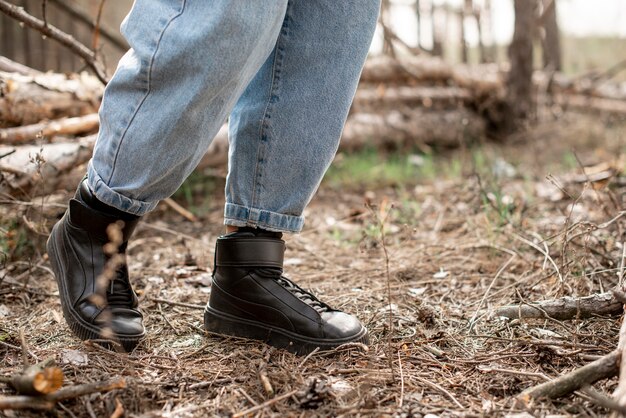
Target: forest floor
422,253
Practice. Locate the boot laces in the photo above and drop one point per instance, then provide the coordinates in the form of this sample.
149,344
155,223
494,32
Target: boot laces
304,295
120,293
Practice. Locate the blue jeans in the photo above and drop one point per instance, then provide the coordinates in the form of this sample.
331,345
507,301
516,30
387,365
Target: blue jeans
283,71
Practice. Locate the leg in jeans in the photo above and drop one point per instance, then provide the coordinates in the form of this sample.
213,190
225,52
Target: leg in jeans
284,132
285,128
189,63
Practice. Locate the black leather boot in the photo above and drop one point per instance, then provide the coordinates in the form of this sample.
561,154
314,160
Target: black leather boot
76,251
250,298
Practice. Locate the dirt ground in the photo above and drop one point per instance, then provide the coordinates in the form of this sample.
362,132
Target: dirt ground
423,266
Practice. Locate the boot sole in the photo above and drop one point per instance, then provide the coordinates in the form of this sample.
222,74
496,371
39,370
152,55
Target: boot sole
225,324
79,327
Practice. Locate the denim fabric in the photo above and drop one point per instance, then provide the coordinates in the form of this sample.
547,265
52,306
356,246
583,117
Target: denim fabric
286,69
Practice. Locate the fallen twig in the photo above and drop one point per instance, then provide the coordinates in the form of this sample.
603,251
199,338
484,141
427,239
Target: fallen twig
565,307
48,402
180,210
602,368
265,404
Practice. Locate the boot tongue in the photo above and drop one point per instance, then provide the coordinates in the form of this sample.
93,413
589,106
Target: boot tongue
247,231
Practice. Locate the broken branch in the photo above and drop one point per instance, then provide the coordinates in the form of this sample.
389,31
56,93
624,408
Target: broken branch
603,368
19,14
565,308
66,126
48,402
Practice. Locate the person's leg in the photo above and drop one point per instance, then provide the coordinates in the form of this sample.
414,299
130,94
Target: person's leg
284,133
286,127
189,63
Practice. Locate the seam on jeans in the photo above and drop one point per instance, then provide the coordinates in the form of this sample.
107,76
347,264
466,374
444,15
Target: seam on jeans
274,84
148,91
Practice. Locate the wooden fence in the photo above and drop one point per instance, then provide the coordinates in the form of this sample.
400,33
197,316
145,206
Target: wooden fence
77,18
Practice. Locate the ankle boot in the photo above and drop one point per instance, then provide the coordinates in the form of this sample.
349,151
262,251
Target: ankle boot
77,256
250,298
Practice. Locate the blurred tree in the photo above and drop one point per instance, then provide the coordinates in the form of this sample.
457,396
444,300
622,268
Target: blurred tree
519,82
550,40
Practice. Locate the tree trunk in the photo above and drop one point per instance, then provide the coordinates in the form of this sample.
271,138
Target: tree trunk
487,30
462,40
437,41
551,42
519,82
418,17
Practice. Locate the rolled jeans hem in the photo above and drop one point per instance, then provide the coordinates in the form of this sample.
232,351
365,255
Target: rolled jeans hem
112,198
237,215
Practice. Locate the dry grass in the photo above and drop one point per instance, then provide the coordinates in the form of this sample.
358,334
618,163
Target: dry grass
453,257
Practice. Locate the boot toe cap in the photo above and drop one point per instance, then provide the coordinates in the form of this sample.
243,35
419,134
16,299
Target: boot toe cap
127,325
340,325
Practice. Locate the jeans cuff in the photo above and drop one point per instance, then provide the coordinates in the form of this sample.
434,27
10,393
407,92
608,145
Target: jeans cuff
236,215
112,198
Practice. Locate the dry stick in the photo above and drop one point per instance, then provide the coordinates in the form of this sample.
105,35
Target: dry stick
308,356
472,321
265,404
11,66
542,251
601,399
76,12
620,392
513,372
65,126
14,347
401,382
381,225
180,210
48,402
265,381
58,35
603,368
565,308
96,29
442,390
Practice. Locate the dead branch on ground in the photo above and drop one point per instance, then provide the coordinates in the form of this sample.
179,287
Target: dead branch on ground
565,308
38,379
602,368
66,126
29,99
48,402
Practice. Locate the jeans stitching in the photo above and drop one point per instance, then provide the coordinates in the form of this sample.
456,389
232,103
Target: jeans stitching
148,91
262,150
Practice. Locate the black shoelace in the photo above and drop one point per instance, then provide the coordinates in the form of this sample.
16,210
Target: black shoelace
119,292
304,295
